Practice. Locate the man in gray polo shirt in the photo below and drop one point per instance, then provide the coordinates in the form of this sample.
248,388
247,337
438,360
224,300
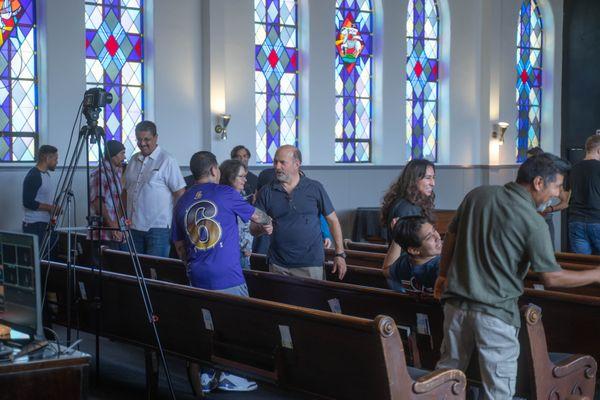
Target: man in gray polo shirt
494,238
294,202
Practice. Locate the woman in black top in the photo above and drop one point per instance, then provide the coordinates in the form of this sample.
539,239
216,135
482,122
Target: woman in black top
411,194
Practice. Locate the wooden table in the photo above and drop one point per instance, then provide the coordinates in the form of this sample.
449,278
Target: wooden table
44,376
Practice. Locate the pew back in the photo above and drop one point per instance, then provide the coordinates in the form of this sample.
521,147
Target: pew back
352,358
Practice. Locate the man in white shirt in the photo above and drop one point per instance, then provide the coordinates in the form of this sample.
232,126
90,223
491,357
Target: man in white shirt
153,183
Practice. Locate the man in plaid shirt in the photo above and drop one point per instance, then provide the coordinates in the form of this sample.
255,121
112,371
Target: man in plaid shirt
111,187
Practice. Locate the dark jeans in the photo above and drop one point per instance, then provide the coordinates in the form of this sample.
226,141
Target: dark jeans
156,241
39,229
584,238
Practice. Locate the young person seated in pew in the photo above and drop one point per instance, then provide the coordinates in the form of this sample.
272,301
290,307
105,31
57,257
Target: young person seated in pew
418,267
205,234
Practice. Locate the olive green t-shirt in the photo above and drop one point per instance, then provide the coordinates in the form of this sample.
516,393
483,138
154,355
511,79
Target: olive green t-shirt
499,234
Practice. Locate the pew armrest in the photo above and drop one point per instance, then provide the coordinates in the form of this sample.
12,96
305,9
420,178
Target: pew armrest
454,379
576,363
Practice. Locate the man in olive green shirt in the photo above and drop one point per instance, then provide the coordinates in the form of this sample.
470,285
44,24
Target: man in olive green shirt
494,238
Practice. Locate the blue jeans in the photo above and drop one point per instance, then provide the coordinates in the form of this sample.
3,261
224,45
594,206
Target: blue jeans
584,238
156,241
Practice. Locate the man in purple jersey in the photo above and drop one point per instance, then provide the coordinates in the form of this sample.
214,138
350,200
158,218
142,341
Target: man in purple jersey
205,233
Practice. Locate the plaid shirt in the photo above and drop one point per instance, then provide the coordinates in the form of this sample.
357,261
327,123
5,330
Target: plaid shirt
109,186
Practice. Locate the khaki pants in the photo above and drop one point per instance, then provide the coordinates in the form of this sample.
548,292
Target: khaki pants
302,272
496,343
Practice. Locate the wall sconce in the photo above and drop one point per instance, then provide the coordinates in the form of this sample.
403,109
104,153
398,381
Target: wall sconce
499,129
221,127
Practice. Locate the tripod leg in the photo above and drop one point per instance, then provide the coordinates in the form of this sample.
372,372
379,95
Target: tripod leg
151,374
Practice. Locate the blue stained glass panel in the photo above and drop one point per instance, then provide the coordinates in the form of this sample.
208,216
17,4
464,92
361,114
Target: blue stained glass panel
422,27
114,60
275,76
529,78
353,83
18,82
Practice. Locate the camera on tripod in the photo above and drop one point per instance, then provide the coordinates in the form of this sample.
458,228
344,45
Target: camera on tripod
93,100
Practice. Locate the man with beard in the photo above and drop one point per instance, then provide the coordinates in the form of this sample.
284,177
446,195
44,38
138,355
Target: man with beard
38,193
294,202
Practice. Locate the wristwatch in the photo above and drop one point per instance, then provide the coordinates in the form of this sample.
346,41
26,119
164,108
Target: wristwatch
342,254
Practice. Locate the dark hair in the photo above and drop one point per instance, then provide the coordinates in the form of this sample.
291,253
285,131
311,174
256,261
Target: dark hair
45,151
591,143
146,126
237,148
534,151
406,188
546,166
201,163
406,231
229,171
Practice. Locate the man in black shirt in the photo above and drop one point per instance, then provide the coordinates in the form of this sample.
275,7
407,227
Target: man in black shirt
584,209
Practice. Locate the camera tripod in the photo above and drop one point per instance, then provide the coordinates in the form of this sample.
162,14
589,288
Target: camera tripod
89,136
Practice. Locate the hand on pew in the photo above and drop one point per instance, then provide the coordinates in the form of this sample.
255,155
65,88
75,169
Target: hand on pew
339,267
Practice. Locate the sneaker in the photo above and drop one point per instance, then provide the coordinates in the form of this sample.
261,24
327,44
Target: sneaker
209,381
234,383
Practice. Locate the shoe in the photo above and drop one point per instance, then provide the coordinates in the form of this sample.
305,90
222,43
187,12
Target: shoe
234,383
209,381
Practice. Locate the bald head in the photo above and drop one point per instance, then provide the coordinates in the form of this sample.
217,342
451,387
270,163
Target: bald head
287,163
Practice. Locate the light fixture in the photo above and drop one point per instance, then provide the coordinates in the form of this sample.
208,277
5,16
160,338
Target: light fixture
498,131
221,127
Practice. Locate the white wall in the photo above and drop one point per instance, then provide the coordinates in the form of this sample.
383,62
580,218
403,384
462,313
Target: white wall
199,59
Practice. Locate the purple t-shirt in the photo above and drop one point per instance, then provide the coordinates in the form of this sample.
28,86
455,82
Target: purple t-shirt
205,218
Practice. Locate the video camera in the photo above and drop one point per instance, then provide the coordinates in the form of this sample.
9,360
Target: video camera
93,100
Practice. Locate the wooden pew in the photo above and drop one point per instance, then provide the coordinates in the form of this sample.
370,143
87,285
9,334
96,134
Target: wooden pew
405,308
353,358
365,246
581,259
363,302
80,246
354,257
366,259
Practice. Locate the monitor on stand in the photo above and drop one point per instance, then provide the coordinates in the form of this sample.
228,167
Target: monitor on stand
20,286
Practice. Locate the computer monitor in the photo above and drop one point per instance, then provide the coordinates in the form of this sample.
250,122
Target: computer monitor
20,286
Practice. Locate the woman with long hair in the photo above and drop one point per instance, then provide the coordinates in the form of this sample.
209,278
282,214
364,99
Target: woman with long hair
412,194
233,173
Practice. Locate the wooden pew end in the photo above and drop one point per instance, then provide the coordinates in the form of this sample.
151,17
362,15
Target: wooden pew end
557,375
452,378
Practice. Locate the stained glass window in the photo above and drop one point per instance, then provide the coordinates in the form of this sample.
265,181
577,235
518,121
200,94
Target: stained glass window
18,81
529,78
275,76
114,61
422,28
353,66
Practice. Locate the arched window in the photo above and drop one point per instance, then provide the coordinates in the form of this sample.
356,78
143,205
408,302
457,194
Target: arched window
114,61
529,78
353,66
18,81
422,27
275,76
